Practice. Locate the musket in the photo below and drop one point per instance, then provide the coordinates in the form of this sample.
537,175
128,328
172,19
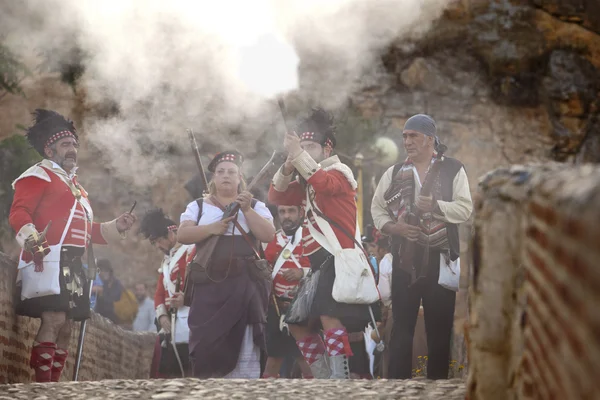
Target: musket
283,112
208,247
407,253
234,207
205,251
173,324
198,159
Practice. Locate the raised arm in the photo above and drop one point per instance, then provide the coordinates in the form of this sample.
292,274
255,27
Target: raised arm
331,182
106,233
285,191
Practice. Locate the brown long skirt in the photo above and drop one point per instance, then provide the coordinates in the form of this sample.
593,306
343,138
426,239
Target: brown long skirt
219,314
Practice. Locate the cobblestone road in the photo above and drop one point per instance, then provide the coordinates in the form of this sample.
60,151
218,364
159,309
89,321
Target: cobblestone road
182,389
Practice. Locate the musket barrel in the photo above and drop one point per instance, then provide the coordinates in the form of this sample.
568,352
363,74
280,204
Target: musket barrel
196,151
282,109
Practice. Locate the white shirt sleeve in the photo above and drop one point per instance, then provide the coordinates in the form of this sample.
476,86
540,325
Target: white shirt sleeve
385,279
263,211
378,206
190,213
459,209
151,314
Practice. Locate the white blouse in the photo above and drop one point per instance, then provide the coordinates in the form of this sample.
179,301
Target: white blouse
212,214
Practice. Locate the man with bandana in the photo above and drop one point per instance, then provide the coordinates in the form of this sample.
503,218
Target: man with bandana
54,285
286,254
162,234
397,195
332,188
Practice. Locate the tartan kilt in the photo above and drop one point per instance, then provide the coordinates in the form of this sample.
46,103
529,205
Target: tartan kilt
79,309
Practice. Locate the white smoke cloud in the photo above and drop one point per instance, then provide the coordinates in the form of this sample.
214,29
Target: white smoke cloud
211,65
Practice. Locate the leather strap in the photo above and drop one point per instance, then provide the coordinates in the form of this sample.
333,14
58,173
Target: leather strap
332,222
237,225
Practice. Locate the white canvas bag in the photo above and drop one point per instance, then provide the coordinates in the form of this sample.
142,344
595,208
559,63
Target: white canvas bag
354,281
449,273
45,283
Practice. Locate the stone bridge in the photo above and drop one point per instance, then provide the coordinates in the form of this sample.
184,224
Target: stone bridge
183,389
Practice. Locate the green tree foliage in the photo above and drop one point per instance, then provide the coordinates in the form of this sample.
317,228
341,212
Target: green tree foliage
12,72
15,157
355,133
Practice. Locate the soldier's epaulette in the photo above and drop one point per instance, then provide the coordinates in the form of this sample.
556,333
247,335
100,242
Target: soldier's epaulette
36,171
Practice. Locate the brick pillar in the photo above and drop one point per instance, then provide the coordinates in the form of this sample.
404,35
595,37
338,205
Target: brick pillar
534,329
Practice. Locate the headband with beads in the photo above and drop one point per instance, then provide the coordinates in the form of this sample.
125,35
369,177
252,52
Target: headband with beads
57,136
311,136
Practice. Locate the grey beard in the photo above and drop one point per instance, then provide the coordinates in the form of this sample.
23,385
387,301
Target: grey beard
62,164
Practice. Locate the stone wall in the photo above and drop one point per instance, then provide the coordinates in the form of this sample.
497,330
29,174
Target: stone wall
109,352
534,324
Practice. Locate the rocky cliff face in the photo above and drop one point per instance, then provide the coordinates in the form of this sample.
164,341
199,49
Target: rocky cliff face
507,82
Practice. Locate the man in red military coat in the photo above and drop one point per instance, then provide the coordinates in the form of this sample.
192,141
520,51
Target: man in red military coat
286,254
168,298
54,285
332,188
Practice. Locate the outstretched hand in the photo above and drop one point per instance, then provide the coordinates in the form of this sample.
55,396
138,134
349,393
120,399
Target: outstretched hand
125,222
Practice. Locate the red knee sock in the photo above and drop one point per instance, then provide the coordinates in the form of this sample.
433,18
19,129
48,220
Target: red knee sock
311,348
60,358
336,341
42,357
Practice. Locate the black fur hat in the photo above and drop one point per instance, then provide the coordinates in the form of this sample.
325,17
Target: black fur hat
48,127
318,127
155,224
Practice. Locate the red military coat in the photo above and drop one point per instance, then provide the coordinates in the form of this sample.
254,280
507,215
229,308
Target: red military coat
173,266
43,195
273,254
334,194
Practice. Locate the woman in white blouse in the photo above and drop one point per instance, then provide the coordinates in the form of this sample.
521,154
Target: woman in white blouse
228,309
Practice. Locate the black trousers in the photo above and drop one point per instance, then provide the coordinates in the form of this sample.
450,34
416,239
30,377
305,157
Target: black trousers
438,305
